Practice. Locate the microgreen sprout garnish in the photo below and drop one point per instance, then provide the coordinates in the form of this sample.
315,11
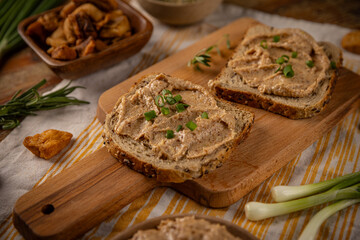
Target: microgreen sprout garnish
262,44
276,38
29,102
191,125
178,128
288,71
205,115
150,115
294,54
165,110
309,63
203,56
169,134
158,102
333,65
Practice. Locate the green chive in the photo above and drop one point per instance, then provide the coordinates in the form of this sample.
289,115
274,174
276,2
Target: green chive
276,38
179,127
150,115
262,44
294,54
170,100
191,125
288,71
169,134
333,65
286,58
310,63
180,107
178,98
159,104
166,91
278,69
204,115
165,110
280,60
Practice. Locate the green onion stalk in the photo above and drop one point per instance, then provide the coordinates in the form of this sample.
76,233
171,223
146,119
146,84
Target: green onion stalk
11,13
348,188
314,224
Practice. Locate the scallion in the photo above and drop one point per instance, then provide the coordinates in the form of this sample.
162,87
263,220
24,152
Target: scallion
276,38
166,92
178,128
180,107
205,115
157,101
165,110
315,222
150,115
288,71
170,100
262,44
294,54
191,125
169,134
286,58
178,98
333,65
310,63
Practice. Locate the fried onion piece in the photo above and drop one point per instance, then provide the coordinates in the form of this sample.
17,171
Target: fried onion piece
118,26
57,38
82,26
37,31
93,12
86,47
48,143
63,52
67,9
69,30
50,21
105,5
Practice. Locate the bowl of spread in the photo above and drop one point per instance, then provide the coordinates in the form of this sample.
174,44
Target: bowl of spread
179,12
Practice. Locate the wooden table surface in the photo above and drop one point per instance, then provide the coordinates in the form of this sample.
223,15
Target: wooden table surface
24,69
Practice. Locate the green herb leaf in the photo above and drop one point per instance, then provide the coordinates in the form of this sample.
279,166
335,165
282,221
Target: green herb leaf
205,115
262,44
294,54
178,128
276,38
178,98
169,134
165,110
288,71
333,65
191,125
310,63
180,107
227,37
158,103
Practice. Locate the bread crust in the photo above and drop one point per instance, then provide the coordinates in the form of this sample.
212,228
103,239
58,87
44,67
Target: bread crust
171,175
264,101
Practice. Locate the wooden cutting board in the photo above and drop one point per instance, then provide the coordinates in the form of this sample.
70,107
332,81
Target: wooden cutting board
82,196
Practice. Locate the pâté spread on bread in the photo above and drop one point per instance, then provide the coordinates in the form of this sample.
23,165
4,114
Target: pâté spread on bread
185,228
282,62
175,125
284,71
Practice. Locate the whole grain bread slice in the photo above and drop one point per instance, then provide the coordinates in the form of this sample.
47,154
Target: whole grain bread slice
228,85
138,155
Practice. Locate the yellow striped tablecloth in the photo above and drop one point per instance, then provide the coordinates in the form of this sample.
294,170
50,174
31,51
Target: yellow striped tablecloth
334,154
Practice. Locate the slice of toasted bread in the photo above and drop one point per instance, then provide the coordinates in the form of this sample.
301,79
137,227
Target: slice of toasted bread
140,155
230,86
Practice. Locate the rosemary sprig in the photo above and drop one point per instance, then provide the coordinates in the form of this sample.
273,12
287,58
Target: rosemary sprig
203,56
30,101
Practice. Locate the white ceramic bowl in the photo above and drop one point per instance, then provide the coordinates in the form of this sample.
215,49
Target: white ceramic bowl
180,13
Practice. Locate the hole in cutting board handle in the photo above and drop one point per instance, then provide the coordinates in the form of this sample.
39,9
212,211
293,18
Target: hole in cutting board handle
47,209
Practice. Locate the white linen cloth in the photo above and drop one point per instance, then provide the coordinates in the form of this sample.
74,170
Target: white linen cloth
20,170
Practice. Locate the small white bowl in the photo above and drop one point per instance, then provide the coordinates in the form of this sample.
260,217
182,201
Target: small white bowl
179,13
